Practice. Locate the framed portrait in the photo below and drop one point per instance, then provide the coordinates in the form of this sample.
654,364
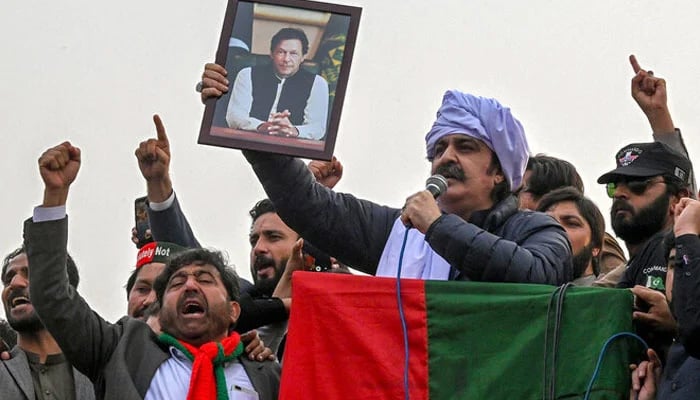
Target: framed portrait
288,63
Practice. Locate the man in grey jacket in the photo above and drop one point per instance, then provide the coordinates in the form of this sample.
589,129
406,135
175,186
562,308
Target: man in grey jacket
37,368
472,231
195,357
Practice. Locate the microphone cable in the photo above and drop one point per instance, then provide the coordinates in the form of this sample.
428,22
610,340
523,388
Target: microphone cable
402,317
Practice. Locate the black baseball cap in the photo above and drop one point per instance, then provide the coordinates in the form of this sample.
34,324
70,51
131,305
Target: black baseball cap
641,160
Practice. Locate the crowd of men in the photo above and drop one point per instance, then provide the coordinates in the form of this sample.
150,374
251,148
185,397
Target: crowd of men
195,329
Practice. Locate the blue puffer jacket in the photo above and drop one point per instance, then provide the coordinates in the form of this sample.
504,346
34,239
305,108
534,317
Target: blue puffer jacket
506,245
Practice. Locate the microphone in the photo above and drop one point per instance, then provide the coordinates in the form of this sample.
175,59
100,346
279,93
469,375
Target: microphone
436,185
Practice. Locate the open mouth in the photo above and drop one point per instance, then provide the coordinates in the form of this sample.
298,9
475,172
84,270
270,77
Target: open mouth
266,271
192,307
19,301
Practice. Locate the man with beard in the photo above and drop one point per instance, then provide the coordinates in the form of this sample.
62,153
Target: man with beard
37,368
585,226
473,231
196,356
649,180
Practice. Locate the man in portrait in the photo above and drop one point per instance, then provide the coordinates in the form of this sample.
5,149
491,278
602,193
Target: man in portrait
281,98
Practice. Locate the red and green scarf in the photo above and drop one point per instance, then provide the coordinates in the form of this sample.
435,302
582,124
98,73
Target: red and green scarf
208,380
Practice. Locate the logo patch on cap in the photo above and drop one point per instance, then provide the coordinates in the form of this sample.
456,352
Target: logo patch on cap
627,156
679,173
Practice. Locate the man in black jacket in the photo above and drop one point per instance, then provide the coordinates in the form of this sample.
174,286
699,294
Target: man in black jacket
474,231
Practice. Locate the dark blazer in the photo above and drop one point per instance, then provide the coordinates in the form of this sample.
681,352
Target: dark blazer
120,359
16,379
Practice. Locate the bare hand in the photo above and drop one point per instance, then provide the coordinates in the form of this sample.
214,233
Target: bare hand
659,315
58,167
281,125
214,82
420,211
255,347
644,377
687,217
327,173
153,156
283,290
650,94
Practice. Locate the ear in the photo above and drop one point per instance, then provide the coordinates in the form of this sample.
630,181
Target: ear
676,198
595,251
498,177
235,311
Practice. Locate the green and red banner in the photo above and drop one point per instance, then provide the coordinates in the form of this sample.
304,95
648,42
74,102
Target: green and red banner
467,340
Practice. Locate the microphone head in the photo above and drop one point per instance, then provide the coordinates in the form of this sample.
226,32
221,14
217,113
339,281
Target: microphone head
436,185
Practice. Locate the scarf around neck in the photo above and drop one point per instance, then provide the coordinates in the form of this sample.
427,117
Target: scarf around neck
208,380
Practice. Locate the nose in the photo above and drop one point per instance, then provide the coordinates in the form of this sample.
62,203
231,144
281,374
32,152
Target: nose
621,191
260,247
150,299
18,281
448,155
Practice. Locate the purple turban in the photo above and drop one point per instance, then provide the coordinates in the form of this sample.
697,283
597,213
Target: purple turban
486,120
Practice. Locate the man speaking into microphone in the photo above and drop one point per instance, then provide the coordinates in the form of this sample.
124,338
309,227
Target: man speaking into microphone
471,231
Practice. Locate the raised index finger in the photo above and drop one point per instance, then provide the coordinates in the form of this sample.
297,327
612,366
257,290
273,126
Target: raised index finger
634,63
160,129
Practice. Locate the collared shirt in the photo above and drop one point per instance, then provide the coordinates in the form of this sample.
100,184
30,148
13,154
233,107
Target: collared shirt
53,380
172,379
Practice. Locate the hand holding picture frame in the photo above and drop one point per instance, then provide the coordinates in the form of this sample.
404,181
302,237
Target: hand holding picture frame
288,63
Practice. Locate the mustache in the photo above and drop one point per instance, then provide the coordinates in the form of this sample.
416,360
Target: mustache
621,205
451,170
14,293
187,295
262,261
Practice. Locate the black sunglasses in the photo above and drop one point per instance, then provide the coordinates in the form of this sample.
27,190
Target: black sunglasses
636,186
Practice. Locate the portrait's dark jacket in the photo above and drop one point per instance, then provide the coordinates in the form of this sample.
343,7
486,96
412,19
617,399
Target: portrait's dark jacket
504,245
120,359
16,379
171,225
294,96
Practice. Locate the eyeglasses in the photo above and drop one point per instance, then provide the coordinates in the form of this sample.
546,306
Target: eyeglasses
638,186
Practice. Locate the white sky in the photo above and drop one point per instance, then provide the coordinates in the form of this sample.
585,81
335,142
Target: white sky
95,72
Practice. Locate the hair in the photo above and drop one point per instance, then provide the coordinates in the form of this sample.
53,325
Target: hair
131,281
198,257
287,34
674,186
71,268
590,212
263,206
549,173
502,189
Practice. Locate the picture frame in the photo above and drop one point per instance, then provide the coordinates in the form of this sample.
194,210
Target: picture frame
288,63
